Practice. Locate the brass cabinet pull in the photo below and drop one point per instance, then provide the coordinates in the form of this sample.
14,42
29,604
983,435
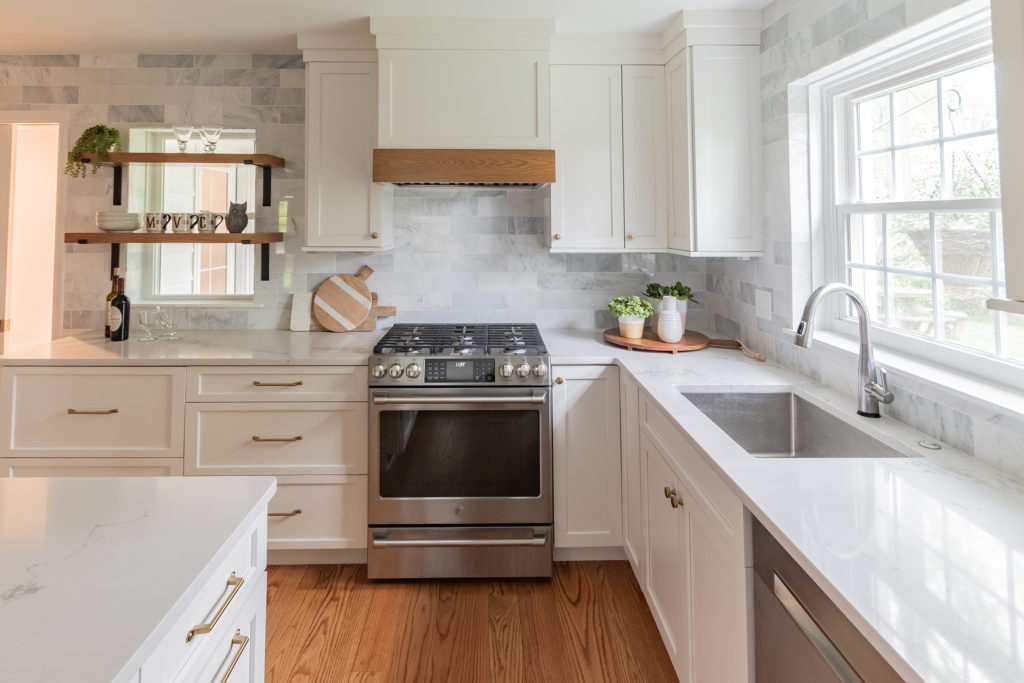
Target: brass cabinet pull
674,498
199,629
237,639
260,439
669,491
296,511
374,235
296,383
631,236
559,380
557,236
72,411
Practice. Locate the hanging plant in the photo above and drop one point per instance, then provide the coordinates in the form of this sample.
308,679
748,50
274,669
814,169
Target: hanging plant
95,143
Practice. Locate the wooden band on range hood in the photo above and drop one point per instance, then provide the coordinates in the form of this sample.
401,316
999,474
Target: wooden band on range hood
469,166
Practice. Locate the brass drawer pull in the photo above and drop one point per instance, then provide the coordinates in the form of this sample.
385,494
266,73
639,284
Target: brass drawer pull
374,235
199,629
296,511
674,498
559,380
72,411
296,383
237,639
260,439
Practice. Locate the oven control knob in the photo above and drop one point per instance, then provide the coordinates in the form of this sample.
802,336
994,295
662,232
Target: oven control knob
540,369
379,370
523,370
412,371
506,370
395,371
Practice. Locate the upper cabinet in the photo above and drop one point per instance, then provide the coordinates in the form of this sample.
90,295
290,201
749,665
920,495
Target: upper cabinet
713,95
345,210
472,99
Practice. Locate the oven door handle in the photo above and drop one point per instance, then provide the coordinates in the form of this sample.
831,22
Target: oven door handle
538,539
538,397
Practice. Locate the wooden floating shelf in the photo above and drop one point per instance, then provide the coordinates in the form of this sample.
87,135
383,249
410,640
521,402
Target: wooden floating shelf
118,160
116,239
126,158
470,166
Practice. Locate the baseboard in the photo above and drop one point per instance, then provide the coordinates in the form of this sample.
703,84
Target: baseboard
590,554
329,556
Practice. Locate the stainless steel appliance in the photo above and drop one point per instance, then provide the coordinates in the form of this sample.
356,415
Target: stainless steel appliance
460,453
800,636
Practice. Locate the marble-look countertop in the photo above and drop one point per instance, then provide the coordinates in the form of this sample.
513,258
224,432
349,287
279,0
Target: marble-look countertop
924,554
91,569
205,347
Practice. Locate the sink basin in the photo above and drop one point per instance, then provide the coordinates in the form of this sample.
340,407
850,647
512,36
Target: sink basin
784,425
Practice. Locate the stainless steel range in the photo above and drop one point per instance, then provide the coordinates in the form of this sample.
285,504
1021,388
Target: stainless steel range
460,452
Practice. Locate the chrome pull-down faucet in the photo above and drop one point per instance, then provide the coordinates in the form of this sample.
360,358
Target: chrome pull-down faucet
871,378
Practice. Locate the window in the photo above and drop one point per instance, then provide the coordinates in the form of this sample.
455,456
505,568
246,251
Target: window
912,212
206,272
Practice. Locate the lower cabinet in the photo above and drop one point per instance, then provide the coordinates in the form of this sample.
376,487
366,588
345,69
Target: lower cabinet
585,449
318,512
632,478
90,467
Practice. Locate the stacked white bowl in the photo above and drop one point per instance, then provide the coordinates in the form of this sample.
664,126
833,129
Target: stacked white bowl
117,221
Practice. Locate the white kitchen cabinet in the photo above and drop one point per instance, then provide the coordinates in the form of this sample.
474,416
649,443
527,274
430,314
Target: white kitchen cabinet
345,210
714,123
586,133
632,477
238,654
668,555
291,383
587,468
332,513
644,158
463,98
90,467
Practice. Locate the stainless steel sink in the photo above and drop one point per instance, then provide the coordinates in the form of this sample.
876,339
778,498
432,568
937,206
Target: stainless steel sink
783,425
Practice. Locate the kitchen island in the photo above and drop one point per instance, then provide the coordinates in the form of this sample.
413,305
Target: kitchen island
103,579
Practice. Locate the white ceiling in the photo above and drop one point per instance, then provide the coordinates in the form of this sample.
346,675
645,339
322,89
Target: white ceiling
220,26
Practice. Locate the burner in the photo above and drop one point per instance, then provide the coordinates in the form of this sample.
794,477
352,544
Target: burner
462,339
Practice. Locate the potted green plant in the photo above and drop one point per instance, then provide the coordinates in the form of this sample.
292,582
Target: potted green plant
631,312
671,320
95,142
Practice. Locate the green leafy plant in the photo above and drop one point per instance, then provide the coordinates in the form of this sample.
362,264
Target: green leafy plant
678,290
94,142
630,305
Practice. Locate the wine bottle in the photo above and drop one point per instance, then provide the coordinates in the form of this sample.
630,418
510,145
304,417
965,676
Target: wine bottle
106,308
120,308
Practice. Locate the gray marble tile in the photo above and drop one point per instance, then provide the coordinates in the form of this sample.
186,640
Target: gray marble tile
590,263
774,33
292,114
131,113
275,61
480,225
873,30
49,94
479,300
167,61
257,78
223,61
12,60
50,60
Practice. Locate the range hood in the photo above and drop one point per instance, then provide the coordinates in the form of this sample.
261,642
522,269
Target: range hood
506,167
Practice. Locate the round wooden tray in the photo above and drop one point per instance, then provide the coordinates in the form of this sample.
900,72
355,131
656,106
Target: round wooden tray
691,341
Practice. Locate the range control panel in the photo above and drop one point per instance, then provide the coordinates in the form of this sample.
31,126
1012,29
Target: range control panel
462,370
411,370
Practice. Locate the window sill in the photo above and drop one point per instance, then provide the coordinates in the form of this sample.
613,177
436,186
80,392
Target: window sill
999,398
217,303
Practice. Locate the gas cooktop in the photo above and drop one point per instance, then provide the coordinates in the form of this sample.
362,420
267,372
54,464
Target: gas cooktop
428,354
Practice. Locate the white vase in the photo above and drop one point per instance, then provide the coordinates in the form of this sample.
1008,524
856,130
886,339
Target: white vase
631,326
670,322
656,304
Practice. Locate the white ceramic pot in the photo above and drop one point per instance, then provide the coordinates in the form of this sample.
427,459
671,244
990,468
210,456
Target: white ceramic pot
656,304
631,326
670,323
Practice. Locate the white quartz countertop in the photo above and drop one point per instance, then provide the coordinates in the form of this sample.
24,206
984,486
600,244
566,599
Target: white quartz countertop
89,568
205,347
924,554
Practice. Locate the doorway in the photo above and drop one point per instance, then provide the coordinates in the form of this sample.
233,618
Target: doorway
30,201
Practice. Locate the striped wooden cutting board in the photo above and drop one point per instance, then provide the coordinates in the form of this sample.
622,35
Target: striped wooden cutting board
343,302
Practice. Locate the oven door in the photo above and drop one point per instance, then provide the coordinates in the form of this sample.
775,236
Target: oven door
460,456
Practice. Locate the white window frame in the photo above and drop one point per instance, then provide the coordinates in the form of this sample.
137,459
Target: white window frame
150,181
831,102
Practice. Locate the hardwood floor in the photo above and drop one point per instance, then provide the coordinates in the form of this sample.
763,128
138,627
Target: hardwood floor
328,623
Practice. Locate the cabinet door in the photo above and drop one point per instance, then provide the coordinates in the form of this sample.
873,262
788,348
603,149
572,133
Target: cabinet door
668,561
680,128
90,467
331,513
644,158
343,205
586,133
726,150
632,477
587,470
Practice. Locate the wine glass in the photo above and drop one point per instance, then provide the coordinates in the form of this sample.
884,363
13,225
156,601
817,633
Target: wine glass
183,132
168,324
147,321
210,135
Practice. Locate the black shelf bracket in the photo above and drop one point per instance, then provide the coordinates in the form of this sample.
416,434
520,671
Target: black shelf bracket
267,178
264,259
118,178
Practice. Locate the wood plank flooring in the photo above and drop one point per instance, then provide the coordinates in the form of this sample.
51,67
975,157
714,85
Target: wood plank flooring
328,623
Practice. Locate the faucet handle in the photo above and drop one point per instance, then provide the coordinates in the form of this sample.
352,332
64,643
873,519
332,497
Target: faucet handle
879,386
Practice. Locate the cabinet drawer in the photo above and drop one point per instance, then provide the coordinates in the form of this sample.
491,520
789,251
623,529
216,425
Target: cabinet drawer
90,467
277,384
76,412
724,507
237,653
264,438
219,594
333,513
